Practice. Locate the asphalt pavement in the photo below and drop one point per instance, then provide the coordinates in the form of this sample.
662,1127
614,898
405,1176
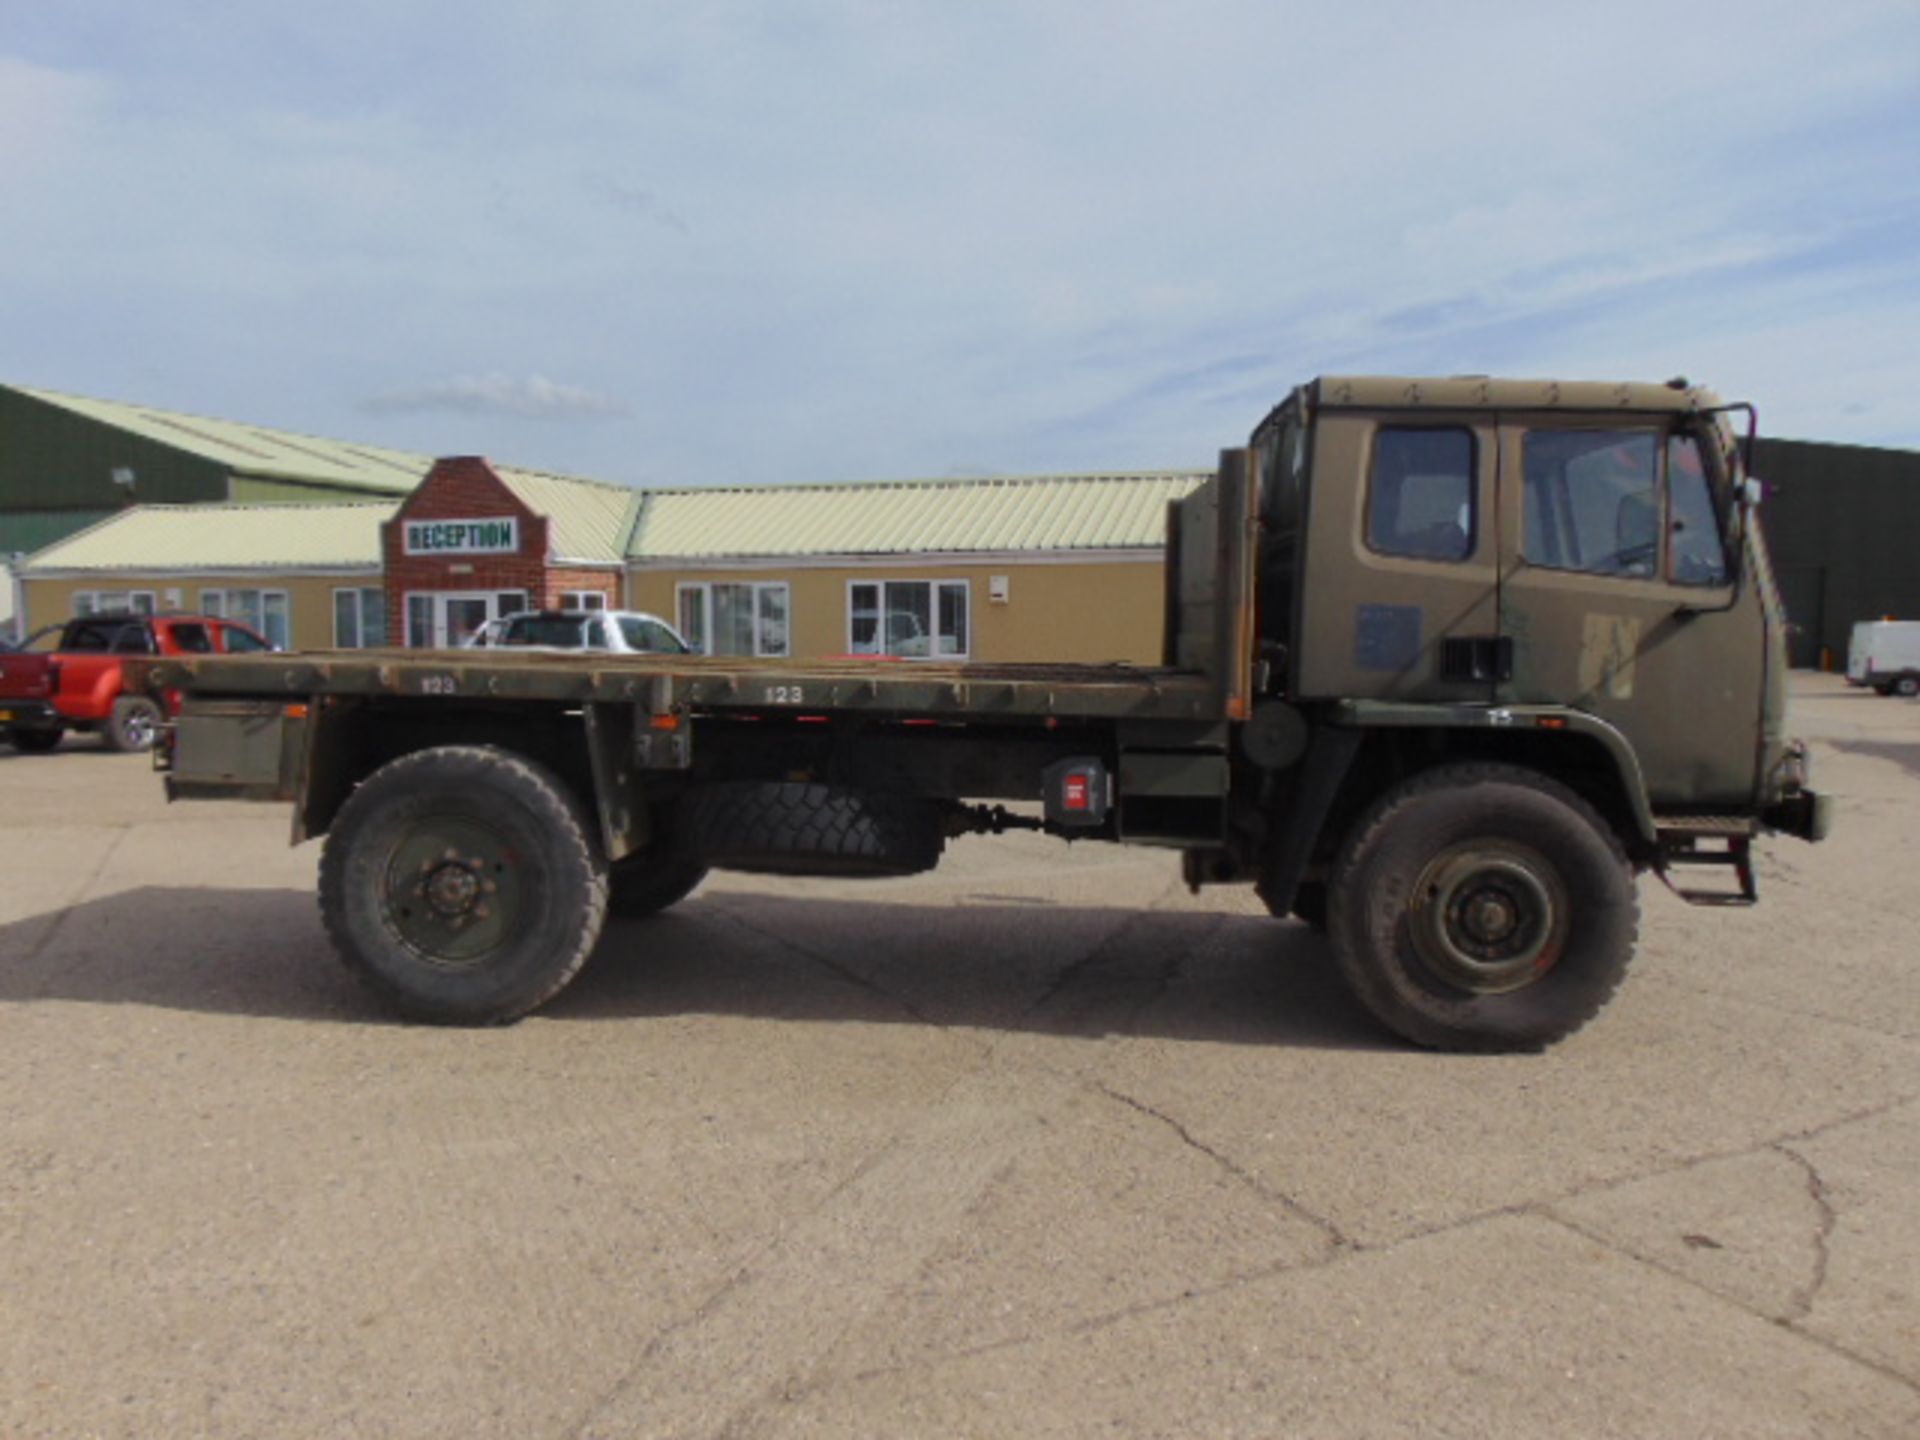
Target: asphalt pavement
1035,1145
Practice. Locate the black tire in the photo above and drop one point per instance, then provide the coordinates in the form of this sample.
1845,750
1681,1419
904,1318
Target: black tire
35,742
464,884
806,829
647,883
132,724
1907,686
1483,907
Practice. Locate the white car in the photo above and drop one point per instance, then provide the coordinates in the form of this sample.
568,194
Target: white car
618,632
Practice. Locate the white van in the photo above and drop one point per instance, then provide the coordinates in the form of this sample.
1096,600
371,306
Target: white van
1886,655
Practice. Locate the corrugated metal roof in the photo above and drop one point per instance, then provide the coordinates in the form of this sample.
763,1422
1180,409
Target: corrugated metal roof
1039,513
24,531
199,538
254,449
587,519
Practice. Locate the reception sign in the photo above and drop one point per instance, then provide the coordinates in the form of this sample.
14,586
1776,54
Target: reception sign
499,535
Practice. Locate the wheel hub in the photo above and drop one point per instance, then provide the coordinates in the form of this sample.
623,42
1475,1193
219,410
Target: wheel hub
452,890
1488,920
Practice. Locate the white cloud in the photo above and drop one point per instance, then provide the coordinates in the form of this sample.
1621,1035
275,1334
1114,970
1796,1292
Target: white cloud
531,398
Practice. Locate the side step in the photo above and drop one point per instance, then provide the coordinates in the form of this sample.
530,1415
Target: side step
1725,841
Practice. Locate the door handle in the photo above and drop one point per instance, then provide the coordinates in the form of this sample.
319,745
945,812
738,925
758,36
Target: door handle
1477,659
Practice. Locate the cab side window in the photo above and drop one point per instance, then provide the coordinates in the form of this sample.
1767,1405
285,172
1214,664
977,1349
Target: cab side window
238,640
134,640
1697,554
84,638
192,639
1592,501
1420,493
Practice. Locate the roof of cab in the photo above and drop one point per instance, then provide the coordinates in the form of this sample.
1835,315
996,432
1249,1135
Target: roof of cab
1484,392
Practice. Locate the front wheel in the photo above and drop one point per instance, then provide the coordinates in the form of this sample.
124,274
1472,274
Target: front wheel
463,884
1907,685
1483,907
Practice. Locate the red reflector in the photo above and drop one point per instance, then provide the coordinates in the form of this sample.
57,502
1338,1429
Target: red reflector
1076,797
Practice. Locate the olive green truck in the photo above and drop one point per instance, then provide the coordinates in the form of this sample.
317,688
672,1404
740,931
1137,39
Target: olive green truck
1447,664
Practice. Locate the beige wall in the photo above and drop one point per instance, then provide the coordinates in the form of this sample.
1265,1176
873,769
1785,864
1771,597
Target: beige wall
309,597
1091,611
1096,610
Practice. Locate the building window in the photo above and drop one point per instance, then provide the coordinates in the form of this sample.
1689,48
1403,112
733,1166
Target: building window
419,622
583,600
736,618
1420,493
113,602
359,618
916,619
267,611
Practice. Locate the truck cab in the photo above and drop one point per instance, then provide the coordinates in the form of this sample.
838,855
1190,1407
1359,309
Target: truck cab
1519,554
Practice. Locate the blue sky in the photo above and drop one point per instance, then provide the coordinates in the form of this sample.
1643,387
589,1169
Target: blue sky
824,239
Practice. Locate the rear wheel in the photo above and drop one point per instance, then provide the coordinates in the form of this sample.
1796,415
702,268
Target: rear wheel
131,726
1483,907
1907,685
35,742
463,884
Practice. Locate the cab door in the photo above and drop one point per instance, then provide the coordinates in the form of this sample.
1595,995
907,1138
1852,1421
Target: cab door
1618,596
1400,582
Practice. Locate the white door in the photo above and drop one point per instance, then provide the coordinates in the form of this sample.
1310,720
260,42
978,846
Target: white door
447,619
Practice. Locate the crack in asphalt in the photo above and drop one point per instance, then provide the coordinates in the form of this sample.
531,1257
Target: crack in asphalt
1349,1248
1802,1301
1336,1238
79,893
797,1382
1097,954
840,972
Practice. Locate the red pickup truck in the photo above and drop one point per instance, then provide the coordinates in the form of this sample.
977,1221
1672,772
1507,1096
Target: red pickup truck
67,676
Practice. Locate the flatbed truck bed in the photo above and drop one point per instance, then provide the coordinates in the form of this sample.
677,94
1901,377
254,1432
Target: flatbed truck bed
663,683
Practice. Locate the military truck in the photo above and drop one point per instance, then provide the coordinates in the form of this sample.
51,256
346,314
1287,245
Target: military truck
1448,664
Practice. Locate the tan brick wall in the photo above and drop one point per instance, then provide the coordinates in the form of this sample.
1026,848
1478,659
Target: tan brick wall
1097,610
309,597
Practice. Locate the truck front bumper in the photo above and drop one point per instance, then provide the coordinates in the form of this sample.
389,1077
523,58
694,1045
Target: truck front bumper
1807,814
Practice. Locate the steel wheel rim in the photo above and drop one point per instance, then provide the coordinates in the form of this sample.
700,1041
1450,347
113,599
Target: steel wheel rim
452,890
138,728
1488,919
